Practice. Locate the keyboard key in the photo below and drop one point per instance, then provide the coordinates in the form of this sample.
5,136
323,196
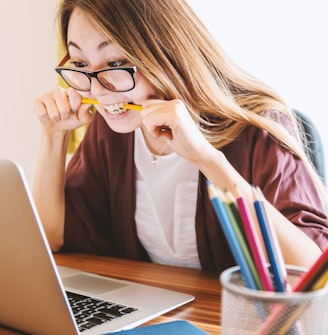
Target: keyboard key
90,312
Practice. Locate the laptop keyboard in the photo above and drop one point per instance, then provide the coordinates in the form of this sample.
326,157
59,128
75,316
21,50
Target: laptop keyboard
90,312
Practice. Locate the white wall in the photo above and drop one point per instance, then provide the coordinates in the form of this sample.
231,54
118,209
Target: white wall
27,59
281,42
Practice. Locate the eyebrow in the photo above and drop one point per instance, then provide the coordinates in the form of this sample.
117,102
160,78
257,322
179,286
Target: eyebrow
75,45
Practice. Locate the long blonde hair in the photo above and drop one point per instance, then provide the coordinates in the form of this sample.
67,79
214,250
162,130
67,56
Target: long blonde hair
174,50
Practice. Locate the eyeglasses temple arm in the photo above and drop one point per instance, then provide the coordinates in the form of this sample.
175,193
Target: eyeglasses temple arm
64,60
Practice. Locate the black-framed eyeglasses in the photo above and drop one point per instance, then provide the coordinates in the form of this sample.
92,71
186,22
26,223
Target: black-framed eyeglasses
114,79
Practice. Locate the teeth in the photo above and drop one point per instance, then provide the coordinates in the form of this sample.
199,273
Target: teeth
116,109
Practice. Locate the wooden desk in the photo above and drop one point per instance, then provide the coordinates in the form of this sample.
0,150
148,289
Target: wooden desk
204,312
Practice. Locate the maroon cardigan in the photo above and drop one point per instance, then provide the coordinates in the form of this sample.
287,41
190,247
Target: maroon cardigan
101,195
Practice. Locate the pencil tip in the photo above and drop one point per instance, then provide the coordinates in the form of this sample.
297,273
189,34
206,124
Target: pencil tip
255,195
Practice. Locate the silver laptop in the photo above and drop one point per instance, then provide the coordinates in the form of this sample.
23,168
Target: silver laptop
34,292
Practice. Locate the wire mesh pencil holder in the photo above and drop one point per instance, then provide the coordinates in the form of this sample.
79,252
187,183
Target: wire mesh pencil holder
252,312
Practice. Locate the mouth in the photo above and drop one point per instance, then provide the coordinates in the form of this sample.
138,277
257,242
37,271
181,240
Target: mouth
116,109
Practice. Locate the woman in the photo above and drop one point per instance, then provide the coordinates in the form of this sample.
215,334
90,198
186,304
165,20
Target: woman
136,186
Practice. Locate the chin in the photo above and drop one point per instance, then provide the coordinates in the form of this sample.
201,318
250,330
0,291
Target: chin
122,123
121,127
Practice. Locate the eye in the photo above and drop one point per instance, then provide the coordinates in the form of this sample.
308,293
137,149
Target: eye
117,63
78,64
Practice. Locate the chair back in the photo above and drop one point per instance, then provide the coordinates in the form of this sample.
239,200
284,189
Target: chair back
312,136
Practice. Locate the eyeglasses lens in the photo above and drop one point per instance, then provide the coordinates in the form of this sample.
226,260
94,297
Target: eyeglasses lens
118,80
115,80
76,80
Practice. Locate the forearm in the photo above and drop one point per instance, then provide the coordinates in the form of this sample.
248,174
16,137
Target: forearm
48,188
297,247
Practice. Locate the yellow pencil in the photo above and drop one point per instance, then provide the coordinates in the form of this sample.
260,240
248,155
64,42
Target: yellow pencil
321,282
89,101
291,318
133,106
126,106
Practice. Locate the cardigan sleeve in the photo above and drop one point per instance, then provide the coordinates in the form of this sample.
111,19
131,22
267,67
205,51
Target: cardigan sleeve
285,182
100,195
283,178
87,214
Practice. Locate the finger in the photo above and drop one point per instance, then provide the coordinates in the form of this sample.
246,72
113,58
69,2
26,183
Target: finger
59,105
41,111
85,114
157,120
46,107
74,99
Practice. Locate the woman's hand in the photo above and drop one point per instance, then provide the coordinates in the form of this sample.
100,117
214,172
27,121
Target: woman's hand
172,120
61,110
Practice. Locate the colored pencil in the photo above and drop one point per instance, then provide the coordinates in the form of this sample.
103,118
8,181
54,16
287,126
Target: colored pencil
233,242
271,244
232,202
236,223
254,243
290,326
315,278
321,281
309,280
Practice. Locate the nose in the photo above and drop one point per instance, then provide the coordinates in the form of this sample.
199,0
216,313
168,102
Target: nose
96,89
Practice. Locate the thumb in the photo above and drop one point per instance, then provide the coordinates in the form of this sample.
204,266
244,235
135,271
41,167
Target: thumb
86,114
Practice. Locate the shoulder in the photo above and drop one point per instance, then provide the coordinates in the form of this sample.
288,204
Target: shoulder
256,154
287,121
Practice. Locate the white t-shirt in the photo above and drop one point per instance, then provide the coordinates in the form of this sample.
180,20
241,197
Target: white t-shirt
166,206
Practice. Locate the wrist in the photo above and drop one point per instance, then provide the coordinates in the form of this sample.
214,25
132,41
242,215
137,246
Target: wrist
55,141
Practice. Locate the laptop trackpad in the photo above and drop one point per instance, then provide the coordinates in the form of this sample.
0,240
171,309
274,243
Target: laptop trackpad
91,284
